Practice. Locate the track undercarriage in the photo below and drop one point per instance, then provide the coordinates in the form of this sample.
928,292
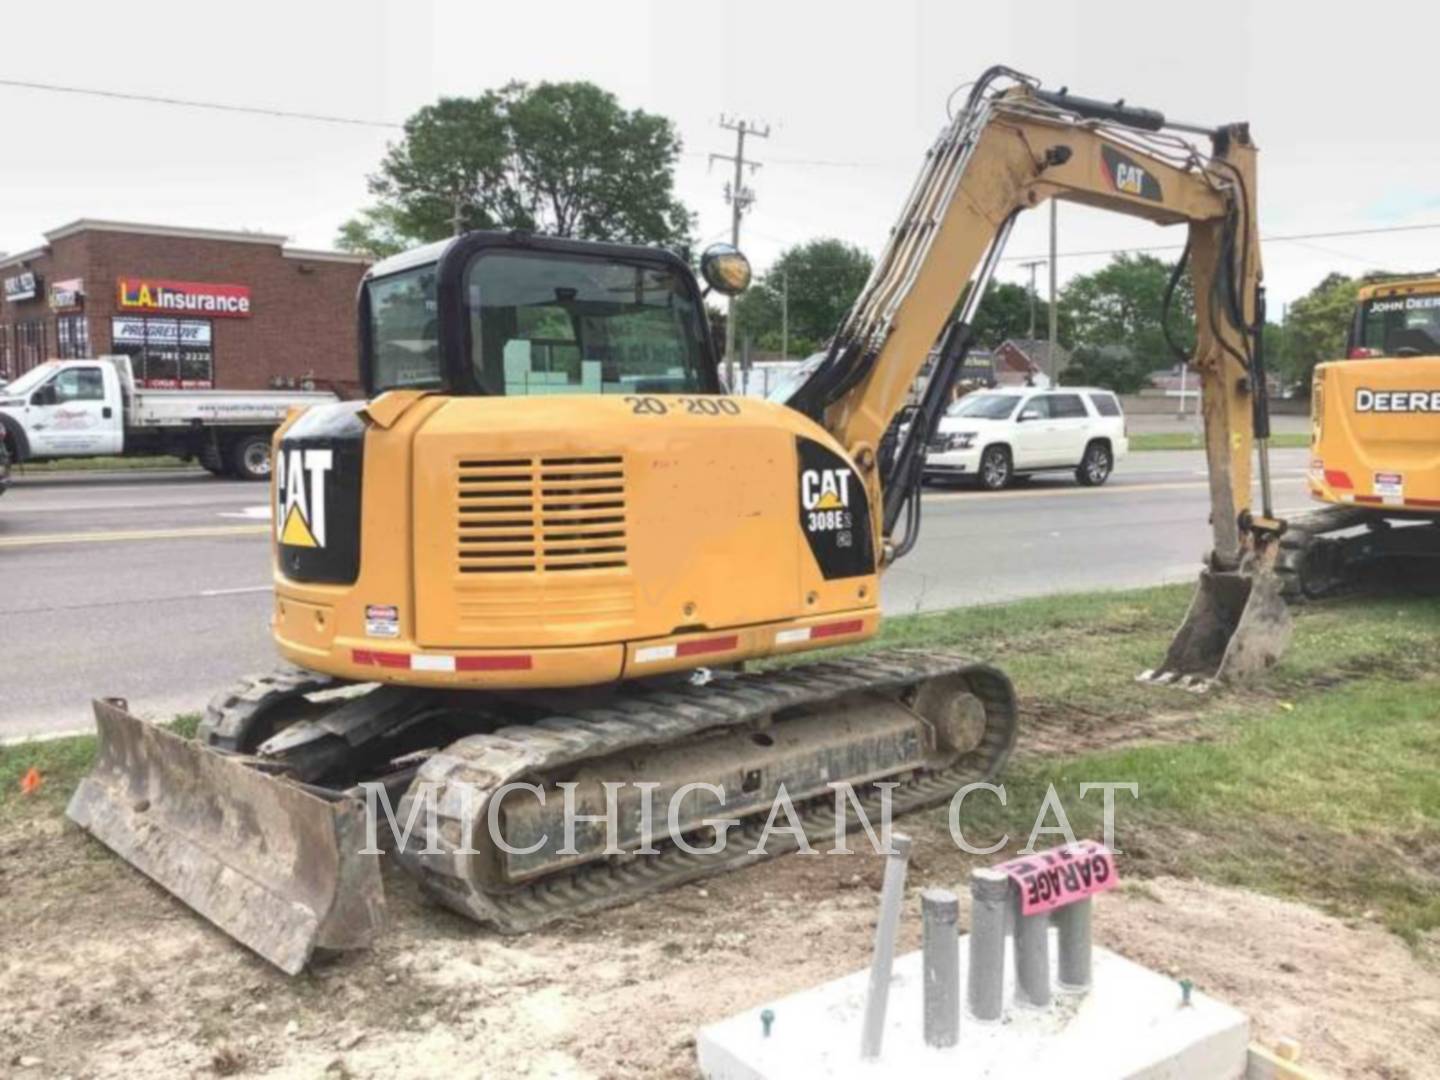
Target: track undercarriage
1326,549
660,784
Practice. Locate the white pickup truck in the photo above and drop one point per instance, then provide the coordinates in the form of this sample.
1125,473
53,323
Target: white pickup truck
91,408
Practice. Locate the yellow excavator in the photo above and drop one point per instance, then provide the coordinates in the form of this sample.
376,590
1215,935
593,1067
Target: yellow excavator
1375,446
516,587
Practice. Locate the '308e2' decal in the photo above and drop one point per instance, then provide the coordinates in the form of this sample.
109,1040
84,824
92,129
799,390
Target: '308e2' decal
834,512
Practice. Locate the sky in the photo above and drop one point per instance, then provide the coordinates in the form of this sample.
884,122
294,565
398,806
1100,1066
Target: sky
1339,101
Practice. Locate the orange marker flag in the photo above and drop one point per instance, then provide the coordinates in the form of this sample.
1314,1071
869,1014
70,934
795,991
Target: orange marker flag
31,781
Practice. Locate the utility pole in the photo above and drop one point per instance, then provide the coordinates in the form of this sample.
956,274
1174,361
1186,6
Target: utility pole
1054,299
739,197
1032,266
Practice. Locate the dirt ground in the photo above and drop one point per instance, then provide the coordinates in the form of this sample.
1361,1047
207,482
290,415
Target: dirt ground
106,976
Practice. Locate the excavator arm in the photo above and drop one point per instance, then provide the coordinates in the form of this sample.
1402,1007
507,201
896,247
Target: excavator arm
1012,147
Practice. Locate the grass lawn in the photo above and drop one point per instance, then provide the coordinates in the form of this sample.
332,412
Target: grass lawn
1318,784
1189,440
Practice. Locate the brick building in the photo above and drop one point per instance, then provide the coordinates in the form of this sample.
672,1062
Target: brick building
193,308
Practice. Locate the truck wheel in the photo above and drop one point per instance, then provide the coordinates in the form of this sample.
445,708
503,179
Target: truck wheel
250,457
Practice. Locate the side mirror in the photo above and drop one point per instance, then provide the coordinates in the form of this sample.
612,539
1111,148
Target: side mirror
725,270
1029,414
44,396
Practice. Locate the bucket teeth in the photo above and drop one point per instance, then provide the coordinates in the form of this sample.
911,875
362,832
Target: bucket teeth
1237,627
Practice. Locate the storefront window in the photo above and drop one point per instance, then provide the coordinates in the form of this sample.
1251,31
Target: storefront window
30,345
167,354
72,333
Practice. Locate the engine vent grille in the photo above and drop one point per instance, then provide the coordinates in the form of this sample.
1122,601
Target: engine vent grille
546,515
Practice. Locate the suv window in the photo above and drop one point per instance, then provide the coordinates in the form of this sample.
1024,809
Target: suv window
1105,404
1067,407
1037,404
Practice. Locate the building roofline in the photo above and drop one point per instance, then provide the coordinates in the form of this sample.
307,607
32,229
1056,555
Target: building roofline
23,256
323,255
176,232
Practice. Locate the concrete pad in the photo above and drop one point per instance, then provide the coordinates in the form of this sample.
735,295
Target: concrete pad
1130,1024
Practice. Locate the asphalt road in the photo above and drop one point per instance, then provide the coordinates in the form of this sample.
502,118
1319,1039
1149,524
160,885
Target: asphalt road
154,586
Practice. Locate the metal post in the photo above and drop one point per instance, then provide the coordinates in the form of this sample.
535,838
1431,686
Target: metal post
940,909
1054,300
1073,922
989,910
1032,957
892,891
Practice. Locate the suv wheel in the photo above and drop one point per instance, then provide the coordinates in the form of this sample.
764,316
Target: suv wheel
1095,466
995,470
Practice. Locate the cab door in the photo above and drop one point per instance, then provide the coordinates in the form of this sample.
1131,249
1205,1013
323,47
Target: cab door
72,415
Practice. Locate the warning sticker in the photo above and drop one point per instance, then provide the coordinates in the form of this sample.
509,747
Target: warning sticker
382,621
1390,486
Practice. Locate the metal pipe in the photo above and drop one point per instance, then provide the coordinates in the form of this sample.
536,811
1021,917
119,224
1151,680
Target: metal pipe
940,910
989,910
892,892
1073,923
1032,957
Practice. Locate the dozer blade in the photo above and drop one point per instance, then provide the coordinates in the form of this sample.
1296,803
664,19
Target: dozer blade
1237,626
271,864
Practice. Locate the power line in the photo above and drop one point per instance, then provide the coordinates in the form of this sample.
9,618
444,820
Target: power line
187,103
1297,237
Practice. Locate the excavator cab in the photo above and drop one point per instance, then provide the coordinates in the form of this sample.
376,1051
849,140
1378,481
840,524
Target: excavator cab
515,315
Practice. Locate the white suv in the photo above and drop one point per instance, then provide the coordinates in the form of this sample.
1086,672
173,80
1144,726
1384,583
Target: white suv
997,435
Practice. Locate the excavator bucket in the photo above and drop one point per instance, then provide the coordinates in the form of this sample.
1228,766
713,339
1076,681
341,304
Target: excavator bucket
1236,627
273,865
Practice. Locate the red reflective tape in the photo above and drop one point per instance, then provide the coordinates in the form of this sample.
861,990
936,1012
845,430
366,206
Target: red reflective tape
1375,499
1422,502
493,663
707,645
380,659
835,629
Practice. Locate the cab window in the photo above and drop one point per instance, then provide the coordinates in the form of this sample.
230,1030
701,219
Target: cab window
1400,326
78,384
541,324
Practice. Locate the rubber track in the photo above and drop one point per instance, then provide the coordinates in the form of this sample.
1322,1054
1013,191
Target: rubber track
648,718
232,714
1302,531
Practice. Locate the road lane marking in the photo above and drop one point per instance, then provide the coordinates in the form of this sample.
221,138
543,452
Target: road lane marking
237,592
1045,493
115,537
250,513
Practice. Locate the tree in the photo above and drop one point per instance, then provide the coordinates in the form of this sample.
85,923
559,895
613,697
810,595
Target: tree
819,279
559,158
1315,328
1115,319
